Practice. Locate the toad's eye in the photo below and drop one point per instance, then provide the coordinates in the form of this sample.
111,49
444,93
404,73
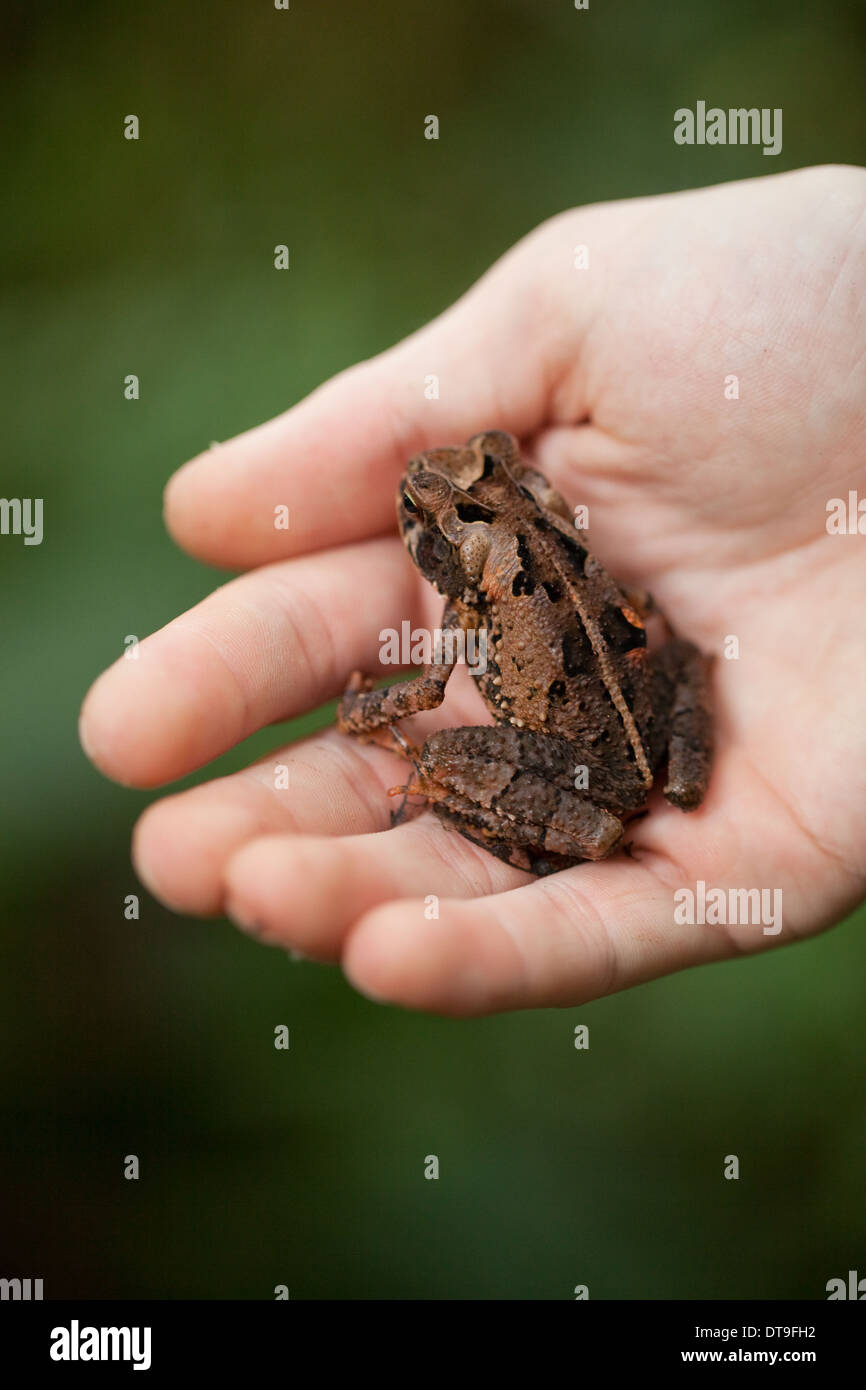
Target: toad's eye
409,504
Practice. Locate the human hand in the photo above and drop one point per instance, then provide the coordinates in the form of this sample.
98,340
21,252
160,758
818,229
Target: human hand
613,377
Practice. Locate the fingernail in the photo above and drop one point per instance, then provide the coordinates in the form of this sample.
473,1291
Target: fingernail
243,919
365,991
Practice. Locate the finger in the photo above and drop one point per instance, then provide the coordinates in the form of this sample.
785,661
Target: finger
265,647
307,893
328,784
325,785
334,459
639,504
564,940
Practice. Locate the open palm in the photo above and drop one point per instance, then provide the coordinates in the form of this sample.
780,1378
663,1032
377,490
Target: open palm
614,365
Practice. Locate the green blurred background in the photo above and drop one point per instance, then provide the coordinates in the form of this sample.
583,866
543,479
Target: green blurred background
155,1037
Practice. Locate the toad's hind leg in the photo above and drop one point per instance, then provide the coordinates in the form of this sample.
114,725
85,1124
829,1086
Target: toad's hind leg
482,827
510,791
681,683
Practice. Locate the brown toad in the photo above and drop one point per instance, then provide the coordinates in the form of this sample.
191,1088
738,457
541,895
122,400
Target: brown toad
584,712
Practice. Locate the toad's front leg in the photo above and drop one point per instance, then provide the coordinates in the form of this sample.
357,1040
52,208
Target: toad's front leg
364,711
513,792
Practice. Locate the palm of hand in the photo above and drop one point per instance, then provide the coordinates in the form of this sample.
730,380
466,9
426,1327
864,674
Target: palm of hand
615,376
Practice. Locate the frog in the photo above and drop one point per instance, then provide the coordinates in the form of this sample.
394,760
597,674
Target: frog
584,711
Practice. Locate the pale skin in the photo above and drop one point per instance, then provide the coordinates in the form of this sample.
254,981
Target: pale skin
613,377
